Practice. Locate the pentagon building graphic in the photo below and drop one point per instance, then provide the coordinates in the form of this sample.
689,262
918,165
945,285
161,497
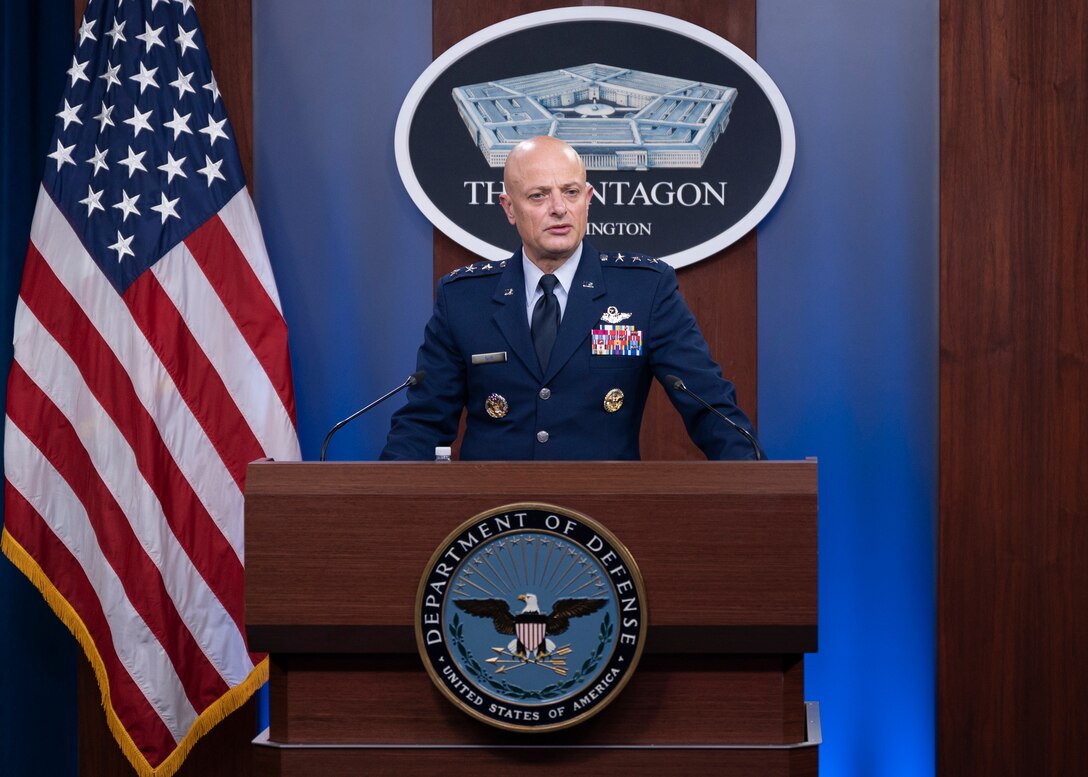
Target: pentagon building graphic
616,118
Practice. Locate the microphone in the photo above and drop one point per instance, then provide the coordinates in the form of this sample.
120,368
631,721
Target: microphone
412,380
676,384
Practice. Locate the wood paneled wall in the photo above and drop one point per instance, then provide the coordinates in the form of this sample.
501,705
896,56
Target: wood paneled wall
1013,563
721,290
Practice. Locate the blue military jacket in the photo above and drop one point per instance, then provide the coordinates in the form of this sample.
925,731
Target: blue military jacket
625,322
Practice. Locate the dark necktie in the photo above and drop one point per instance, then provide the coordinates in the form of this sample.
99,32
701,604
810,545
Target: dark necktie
546,320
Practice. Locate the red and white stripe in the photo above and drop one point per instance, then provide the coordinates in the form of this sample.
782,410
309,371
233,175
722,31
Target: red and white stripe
531,634
130,423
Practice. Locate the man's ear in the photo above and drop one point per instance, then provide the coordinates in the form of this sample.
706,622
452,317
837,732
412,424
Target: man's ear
504,200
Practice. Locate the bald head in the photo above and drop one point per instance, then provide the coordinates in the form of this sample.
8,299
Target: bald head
525,153
547,199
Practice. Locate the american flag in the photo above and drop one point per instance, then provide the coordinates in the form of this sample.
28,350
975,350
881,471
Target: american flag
151,366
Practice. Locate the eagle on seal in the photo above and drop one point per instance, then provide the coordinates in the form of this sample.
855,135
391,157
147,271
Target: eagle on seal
531,627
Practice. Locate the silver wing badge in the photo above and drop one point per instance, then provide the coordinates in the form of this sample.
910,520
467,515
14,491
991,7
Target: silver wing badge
613,315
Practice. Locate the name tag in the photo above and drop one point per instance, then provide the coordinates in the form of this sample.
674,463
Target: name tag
489,358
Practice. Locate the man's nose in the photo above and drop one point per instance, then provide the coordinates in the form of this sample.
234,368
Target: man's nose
558,203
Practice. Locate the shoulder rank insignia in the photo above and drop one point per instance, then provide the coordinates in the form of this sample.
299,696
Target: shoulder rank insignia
476,267
621,260
613,315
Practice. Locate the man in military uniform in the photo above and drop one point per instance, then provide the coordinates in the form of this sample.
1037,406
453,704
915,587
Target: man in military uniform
552,351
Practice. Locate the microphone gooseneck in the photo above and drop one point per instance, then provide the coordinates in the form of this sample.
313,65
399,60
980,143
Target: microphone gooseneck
676,384
412,380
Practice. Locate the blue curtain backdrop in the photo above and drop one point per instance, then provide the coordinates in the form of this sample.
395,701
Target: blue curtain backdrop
351,253
848,357
37,654
847,317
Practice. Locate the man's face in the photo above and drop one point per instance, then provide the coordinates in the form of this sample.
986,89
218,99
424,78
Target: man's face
547,199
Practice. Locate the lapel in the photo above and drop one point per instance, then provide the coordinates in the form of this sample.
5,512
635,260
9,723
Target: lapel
510,316
582,310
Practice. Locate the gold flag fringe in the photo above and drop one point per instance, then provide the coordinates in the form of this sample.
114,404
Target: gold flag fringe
216,712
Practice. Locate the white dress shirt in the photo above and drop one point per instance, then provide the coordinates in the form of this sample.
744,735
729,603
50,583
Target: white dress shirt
533,274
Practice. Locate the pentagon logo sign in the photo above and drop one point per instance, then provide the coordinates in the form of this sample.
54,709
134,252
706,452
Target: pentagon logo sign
531,617
687,141
618,118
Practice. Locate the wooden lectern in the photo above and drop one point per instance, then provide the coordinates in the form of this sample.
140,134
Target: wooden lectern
727,550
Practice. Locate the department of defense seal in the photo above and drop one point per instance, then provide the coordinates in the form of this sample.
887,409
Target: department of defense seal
531,617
